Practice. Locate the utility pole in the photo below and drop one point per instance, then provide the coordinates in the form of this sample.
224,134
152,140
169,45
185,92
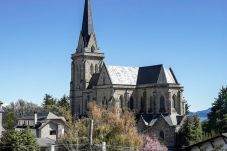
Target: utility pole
91,133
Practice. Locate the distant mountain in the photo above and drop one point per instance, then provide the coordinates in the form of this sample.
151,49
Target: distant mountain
202,114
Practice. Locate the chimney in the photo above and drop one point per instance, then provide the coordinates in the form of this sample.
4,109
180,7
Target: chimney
35,118
1,111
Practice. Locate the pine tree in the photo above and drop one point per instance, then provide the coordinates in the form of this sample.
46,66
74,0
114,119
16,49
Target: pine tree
18,141
48,100
217,117
191,132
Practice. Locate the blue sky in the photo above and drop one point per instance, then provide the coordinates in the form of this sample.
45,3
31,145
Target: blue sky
38,37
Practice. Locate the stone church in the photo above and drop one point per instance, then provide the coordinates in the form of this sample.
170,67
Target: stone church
152,92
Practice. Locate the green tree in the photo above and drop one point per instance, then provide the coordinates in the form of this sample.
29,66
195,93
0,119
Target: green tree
187,106
109,127
18,141
9,121
191,132
18,109
64,102
217,118
48,100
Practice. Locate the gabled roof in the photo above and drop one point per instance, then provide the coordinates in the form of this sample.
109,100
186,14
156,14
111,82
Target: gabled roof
42,116
122,75
171,119
45,142
156,74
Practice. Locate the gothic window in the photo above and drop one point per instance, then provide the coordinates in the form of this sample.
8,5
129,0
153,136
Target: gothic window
87,101
81,71
143,102
151,104
121,101
96,68
162,105
131,103
161,135
174,99
104,101
72,71
93,49
91,69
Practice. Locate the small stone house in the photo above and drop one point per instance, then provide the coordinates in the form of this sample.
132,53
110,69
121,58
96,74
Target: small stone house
44,126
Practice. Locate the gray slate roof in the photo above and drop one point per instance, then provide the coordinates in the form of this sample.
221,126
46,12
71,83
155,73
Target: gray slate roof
45,142
123,75
171,119
156,74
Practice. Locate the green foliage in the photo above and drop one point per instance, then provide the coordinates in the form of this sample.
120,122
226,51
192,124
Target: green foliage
64,102
18,109
187,106
191,132
18,141
9,121
59,107
109,127
217,118
48,100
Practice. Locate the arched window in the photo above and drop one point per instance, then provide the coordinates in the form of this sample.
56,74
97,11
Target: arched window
121,102
87,101
143,102
72,71
131,103
151,104
104,101
161,135
96,68
93,48
174,101
91,69
162,105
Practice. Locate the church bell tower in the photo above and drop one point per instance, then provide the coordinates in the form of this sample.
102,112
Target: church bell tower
86,61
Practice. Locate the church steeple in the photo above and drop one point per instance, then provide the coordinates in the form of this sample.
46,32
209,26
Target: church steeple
86,62
87,25
87,40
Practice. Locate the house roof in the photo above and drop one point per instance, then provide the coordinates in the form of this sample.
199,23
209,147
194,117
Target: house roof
40,115
122,75
45,142
42,118
210,140
156,74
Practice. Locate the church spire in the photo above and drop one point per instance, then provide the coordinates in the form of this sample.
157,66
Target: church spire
87,25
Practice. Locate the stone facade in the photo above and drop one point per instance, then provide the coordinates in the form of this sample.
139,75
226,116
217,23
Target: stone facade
151,91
